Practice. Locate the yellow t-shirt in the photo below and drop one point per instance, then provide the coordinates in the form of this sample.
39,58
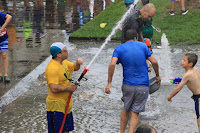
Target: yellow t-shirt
55,74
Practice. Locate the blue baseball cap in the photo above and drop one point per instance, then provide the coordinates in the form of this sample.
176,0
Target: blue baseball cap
56,48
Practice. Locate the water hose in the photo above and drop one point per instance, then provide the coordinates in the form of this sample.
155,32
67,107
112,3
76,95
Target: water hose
70,95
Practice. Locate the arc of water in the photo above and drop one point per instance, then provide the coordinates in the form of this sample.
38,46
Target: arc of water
113,32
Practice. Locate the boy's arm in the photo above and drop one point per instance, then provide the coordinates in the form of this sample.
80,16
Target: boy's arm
180,86
8,18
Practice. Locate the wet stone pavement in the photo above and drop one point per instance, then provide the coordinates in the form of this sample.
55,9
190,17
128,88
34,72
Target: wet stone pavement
96,112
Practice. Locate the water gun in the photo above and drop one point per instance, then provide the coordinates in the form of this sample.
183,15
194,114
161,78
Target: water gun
175,80
148,43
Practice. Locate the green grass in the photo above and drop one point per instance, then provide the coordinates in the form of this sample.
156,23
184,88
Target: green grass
110,15
179,29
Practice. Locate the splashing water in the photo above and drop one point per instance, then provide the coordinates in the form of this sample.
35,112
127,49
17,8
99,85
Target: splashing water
165,60
113,31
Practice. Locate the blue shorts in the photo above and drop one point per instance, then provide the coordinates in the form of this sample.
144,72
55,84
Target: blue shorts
172,0
4,46
197,103
55,121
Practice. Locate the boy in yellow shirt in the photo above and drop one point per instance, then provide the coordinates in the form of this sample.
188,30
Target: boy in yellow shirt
59,88
191,78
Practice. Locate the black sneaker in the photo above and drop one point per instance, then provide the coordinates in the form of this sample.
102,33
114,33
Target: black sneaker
6,79
185,12
171,13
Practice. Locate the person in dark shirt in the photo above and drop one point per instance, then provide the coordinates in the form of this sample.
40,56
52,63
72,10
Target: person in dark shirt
137,19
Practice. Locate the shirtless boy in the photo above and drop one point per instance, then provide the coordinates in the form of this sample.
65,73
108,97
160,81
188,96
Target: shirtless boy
191,78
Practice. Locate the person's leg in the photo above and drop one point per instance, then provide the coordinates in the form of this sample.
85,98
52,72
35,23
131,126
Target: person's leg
5,63
182,5
198,123
124,120
172,5
133,122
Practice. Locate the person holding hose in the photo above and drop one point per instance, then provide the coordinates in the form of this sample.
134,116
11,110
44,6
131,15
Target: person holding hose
59,87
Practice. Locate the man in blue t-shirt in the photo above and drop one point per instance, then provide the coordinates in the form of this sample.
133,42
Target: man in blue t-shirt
4,20
135,89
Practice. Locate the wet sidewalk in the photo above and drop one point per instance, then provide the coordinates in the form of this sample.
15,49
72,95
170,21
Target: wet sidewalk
97,112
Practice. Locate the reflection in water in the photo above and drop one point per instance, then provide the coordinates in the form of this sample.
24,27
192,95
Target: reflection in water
36,24
38,20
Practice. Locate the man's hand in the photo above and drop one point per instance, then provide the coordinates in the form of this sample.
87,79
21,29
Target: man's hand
107,89
73,88
79,61
158,79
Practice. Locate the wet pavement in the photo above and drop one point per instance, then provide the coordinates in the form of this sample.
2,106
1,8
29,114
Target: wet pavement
97,112
22,103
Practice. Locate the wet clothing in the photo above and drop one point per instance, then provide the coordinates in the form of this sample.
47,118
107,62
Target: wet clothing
133,21
147,30
55,74
132,55
55,121
56,102
134,97
197,104
4,46
2,21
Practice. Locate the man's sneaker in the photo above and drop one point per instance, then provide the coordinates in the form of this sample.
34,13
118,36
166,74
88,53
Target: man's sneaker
171,13
185,12
1,79
6,79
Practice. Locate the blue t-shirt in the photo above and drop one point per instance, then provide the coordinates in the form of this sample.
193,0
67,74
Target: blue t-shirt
132,55
2,21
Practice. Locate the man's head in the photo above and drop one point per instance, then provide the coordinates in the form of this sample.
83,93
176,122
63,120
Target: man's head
145,129
131,34
189,59
58,49
148,11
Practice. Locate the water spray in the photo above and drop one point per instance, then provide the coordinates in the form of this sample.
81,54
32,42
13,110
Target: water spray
87,68
106,41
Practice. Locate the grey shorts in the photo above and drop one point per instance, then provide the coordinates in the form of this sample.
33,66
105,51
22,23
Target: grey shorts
134,97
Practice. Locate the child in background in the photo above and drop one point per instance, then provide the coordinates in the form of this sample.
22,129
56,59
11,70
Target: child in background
191,78
182,3
4,20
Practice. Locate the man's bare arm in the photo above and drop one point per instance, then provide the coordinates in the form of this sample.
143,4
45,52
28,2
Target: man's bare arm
155,67
111,70
55,88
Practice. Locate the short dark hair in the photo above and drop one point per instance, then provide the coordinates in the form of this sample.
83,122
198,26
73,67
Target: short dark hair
145,129
192,57
130,34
